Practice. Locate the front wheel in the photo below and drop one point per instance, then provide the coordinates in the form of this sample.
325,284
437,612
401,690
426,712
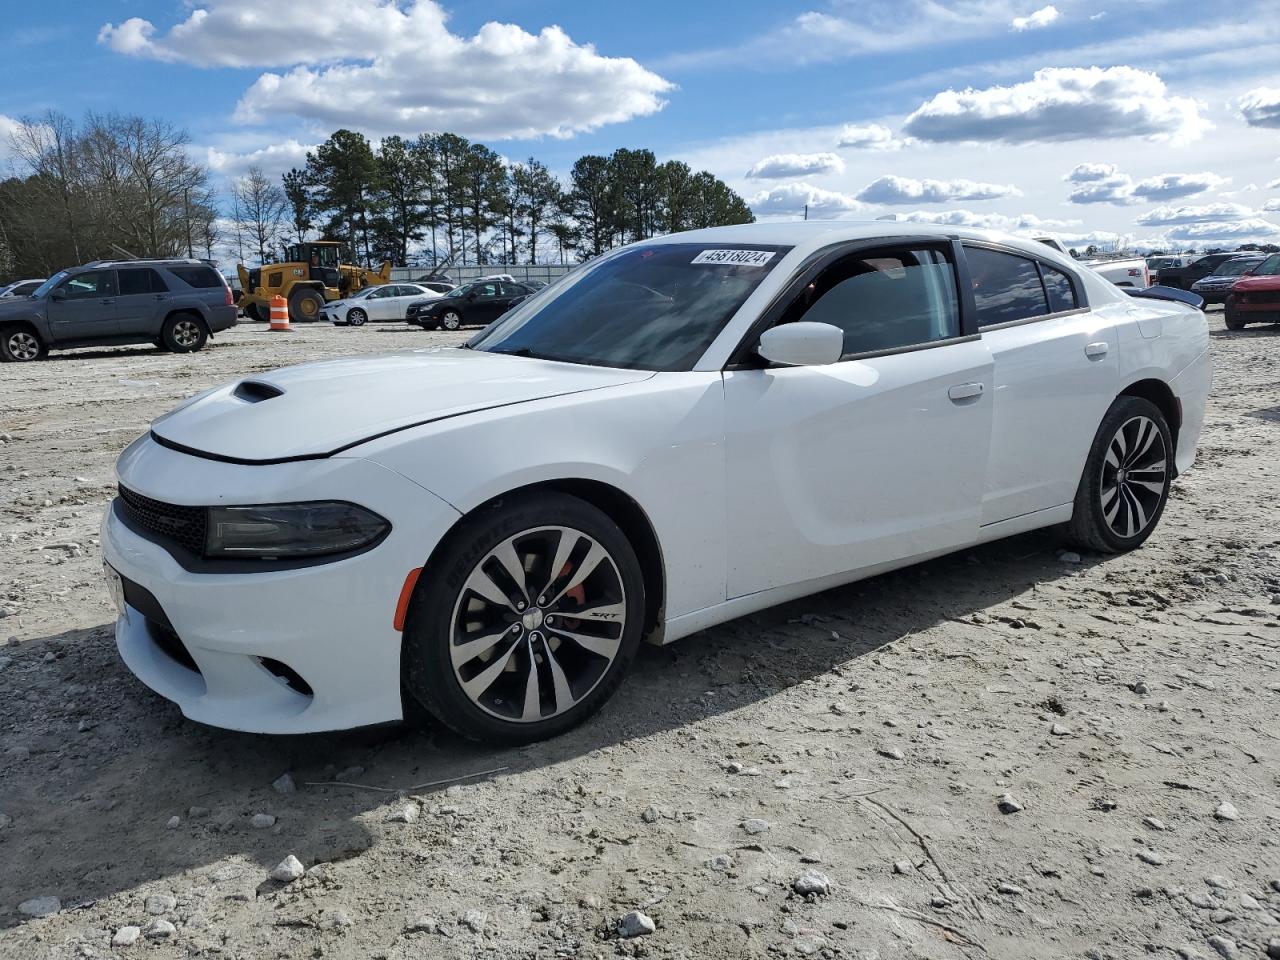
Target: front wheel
1125,485
1232,319
20,345
357,317
452,320
305,305
528,623
183,333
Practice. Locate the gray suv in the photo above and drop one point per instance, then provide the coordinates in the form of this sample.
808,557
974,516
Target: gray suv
176,304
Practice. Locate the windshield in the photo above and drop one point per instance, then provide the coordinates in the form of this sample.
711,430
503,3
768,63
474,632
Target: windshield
364,293
1234,268
652,307
1268,267
49,284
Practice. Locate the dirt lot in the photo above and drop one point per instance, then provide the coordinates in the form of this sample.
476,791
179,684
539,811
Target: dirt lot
1127,704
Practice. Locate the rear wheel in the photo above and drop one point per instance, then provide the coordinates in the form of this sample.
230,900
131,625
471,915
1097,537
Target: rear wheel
184,333
21,345
528,623
253,313
452,320
357,317
305,305
1125,485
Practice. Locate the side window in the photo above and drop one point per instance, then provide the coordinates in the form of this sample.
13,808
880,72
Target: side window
884,299
95,283
202,278
140,280
1005,287
487,290
1057,285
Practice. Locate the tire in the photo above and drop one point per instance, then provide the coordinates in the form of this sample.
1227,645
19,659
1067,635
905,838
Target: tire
1232,319
184,333
570,665
452,320
253,313
357,317
305,305
21,345
1117,505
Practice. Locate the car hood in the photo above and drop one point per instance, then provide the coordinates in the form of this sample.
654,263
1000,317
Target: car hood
318,409
1265,282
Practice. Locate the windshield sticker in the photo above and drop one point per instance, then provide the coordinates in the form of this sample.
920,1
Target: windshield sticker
734,258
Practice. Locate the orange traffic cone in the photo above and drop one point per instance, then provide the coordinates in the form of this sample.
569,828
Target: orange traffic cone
279,313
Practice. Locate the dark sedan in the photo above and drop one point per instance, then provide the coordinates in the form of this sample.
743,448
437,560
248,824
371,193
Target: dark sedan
473,304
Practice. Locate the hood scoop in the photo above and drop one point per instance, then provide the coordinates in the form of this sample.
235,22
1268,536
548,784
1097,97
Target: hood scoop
255,391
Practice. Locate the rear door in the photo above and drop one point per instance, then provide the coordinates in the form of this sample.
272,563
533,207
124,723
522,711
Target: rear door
1056,373
142,301
83,307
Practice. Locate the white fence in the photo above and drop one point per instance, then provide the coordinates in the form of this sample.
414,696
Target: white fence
537,271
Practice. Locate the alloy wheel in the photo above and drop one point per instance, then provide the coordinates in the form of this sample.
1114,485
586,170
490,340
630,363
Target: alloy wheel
1134,476
186,333
356,318
451,321
537,624
23,345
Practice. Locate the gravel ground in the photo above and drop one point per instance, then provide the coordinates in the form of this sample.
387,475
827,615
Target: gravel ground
1009,752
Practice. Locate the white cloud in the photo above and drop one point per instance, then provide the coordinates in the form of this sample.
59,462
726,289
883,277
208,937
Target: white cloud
1271,206
1104,183
1208,213
791,198
1274,184
1174,186
1100,183
1026,222
867,136
1060,104
795,165
1260,107
1232,231
274,159
1034,21
382,66
893,189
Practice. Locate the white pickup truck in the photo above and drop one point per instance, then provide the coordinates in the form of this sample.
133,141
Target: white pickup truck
1122,270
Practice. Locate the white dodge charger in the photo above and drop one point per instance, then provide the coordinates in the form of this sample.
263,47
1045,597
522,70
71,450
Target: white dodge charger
683,431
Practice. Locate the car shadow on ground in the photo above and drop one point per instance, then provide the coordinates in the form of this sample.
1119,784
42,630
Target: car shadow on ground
93,765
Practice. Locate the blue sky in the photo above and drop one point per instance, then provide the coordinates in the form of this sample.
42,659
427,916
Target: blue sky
1139,120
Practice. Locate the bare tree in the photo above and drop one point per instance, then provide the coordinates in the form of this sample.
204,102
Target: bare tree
261,210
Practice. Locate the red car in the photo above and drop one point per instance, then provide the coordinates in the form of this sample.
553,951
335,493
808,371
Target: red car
1255,298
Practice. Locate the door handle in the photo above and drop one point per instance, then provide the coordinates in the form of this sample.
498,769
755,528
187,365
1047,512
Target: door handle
1097,350
965,391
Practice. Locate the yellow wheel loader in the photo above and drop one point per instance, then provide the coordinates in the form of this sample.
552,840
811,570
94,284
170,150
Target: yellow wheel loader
310,276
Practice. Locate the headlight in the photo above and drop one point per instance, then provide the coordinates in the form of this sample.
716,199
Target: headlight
291,530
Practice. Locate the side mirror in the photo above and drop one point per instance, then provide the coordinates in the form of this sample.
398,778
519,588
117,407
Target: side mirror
802,344
473,295
57,295
1247,273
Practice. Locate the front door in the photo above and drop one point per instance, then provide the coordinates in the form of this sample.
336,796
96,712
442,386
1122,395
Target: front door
486,303
870,460
83,307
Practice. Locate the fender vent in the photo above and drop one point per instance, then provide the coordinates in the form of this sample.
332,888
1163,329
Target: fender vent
255,391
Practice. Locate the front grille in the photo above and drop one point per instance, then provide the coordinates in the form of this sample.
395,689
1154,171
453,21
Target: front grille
1263,296
184,525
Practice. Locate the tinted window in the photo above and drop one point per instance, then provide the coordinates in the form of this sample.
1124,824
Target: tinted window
653,307
1268,267
485,289
95,283
514,290
1057,285
1005,287
136,280
24,289
200,277
884,300
1235,268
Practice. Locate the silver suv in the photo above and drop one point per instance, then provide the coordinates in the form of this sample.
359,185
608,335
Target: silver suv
175,304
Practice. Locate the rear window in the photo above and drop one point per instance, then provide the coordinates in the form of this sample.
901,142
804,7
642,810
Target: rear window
200,277
1005,287
140,280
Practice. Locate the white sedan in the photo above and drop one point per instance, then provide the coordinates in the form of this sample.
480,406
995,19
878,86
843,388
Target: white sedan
686,430
389,301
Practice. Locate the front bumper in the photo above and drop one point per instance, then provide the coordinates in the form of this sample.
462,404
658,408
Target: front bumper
214,643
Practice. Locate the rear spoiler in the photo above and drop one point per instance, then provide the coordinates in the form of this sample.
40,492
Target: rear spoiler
1158,292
